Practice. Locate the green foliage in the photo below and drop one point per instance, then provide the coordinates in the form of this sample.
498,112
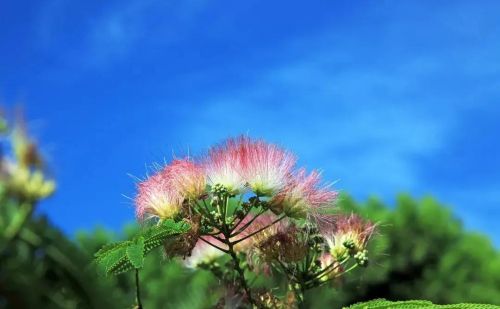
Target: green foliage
164,283
135,252
41,268
415,304
420,252
120,257
385,304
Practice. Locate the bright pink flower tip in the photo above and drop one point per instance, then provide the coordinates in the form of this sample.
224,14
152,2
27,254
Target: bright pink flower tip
355,225
304,195
162,194
266,167
155,198
223,166
242,161
186,177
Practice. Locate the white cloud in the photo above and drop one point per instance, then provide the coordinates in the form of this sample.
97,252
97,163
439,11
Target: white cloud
114,31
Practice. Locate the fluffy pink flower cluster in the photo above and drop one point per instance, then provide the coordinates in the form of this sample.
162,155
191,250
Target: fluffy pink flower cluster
163,194
240,165
350,234
303,194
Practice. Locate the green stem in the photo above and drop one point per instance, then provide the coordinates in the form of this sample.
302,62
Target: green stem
325,272
138,290
214,245
243,228
311,285
258,231
298,290
240,272
224,209
207,213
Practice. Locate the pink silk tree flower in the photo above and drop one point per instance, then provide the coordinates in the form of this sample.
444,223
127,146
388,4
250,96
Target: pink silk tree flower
349,236
162,194
156,198
265,167
186,177
223,166
303,196
239,162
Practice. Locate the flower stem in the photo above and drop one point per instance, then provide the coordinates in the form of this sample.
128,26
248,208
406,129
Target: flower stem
298,290
138,290
240,272
247,224
258,231
214,245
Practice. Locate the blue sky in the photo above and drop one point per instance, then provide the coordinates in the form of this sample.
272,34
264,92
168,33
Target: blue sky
383,96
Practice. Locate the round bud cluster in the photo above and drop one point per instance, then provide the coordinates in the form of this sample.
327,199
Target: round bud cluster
361,258
219,189
349,244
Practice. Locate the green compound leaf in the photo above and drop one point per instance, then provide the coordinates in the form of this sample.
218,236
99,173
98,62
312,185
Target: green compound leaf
414,304
120,257
156,235
101,254
135,252
116,261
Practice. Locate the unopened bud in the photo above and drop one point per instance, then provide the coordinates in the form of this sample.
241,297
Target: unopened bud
219,189
361,258
349,244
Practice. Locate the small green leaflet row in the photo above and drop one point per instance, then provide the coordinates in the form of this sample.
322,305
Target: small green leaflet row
120,257
415,304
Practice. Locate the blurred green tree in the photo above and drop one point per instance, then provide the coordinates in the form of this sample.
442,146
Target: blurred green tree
43,269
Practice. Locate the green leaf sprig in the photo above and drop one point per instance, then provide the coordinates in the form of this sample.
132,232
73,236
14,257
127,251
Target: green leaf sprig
123,256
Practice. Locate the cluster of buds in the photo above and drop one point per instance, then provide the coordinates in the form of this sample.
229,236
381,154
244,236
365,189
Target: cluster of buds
21,174
247,199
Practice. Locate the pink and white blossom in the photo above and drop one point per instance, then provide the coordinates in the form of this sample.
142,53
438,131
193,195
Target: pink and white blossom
303,195
162,194
224,165
156,198
186,177
350,234
266,167
238,162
